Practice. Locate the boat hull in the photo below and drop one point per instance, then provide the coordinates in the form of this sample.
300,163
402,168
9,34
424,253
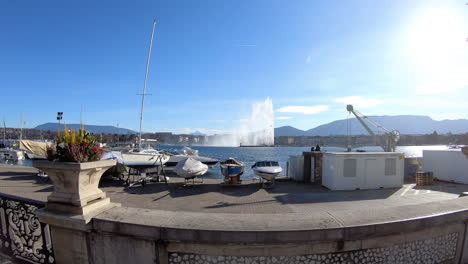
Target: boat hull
268,170
33,156
175,159
12,154
231,170
267,175
144,159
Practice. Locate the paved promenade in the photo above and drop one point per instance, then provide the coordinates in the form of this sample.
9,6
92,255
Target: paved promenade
249,198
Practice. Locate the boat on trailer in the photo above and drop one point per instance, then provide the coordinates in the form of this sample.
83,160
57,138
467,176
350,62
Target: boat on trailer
144,158
268,171
232,169
190,168
186,152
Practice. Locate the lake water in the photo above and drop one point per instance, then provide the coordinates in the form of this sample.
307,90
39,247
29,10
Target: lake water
249,155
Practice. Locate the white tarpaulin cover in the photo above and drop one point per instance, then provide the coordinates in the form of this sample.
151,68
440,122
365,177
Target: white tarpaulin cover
190,168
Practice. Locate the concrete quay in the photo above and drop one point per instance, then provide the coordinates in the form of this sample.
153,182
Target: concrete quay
291,223
286,197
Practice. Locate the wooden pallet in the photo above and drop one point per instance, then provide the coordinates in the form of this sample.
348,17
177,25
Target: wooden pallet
424,178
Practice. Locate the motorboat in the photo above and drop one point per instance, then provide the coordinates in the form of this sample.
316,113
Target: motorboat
144,157
35,150
11,154
140,161
180,155
189,151
137,158
232,169
4,153
268,170
190,168
454,146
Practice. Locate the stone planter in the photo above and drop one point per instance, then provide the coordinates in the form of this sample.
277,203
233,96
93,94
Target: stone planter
75,200
75,184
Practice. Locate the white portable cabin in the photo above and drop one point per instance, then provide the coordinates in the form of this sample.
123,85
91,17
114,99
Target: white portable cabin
362,170
447,165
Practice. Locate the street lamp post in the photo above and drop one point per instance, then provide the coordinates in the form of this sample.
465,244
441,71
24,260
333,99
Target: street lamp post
59,117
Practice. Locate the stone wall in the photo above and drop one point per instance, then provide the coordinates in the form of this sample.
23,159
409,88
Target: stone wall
437,239
439,249
313,167
411,234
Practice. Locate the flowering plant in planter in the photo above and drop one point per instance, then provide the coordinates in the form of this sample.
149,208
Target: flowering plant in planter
74,168
74,146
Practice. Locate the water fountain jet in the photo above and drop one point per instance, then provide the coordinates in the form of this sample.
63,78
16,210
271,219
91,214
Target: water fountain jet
256,130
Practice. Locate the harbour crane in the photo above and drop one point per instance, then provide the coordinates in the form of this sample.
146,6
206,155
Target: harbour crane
391,137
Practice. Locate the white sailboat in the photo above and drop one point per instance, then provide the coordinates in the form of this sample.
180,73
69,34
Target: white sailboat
143,157
9,153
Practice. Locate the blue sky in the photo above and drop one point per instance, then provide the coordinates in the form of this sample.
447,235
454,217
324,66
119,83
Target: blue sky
212,60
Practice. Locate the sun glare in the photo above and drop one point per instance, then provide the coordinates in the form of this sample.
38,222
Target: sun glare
436,35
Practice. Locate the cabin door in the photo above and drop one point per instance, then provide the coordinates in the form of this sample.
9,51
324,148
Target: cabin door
371,174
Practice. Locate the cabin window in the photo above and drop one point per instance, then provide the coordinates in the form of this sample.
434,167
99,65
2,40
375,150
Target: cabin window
390,166
349,168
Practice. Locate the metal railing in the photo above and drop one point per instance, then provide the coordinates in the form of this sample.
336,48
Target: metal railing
22,236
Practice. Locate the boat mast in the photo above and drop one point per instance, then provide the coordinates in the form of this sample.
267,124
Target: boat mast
146,78
21,130
4,131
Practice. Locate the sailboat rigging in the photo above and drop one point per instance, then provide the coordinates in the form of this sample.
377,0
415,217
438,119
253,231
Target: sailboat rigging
4,132
145,83
21,129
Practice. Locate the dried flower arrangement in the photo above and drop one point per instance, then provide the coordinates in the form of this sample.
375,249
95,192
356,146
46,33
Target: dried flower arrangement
74,146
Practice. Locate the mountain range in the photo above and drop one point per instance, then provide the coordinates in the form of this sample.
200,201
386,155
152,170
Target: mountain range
406,124
91,128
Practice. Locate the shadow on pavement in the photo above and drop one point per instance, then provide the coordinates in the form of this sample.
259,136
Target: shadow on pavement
177,188
26,177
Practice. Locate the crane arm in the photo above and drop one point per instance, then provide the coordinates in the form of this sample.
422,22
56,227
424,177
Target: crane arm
392,137
359,118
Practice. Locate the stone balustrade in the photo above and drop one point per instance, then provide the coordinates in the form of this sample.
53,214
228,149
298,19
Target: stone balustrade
431,232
